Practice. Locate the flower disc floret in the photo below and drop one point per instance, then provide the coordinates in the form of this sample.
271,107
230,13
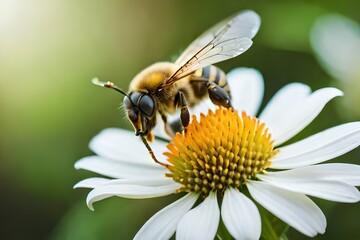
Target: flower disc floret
223,149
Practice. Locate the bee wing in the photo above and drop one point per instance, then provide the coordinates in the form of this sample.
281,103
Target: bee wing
225,40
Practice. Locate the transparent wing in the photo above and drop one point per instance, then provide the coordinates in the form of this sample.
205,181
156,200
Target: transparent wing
225,40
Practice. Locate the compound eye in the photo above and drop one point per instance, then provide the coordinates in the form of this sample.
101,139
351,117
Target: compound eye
127,103
147,105
135,96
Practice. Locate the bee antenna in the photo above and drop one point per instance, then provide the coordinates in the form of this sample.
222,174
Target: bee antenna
108,84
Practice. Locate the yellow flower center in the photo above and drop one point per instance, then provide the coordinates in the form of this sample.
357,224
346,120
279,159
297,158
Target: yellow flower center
221,150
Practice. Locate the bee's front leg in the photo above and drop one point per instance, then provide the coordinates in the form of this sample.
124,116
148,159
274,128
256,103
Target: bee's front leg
218,95
180,102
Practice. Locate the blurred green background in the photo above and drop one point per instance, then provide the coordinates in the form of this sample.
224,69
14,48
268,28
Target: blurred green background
49,51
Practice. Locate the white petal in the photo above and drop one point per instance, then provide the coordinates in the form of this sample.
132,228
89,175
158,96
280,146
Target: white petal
325,189
247,89
91,182
145,181
203,107
292,109
240,215
130,190
336,40
119,169
290,95
201,222
320,147
163,224
123,145
342,172
295,209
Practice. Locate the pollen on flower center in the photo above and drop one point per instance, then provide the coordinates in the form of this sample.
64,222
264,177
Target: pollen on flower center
221,150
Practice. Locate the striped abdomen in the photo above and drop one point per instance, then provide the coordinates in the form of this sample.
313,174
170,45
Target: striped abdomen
200,77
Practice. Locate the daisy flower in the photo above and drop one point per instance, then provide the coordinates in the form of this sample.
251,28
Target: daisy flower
335,40
236,158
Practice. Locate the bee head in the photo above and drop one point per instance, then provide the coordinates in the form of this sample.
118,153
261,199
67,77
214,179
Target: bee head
139,106
140,109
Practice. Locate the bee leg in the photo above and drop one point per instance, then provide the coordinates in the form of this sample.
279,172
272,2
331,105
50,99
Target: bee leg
218,95
151,152
180,102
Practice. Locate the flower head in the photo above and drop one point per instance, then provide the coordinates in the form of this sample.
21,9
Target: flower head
222,150
233,156
335,40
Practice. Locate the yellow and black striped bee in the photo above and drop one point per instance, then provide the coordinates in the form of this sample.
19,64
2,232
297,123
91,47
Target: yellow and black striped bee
164,87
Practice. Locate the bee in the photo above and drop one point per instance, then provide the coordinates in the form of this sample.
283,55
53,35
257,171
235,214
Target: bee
164,87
